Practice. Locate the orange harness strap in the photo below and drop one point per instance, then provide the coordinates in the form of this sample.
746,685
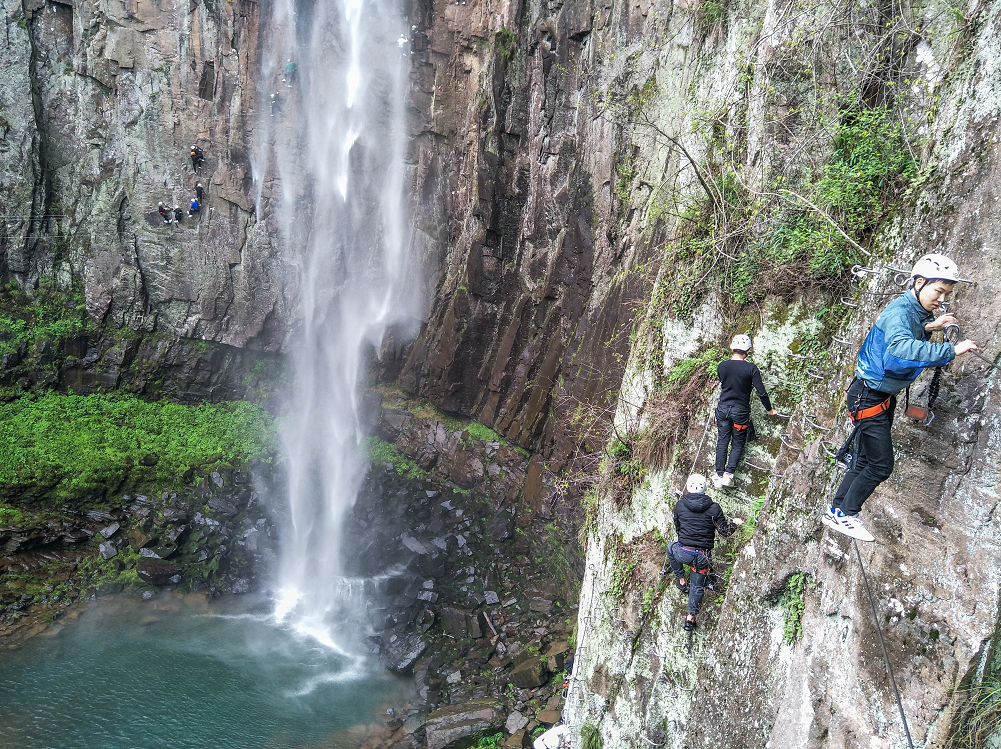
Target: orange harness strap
740,427
867,413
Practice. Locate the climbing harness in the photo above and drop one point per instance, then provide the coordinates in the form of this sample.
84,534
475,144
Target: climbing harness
882,644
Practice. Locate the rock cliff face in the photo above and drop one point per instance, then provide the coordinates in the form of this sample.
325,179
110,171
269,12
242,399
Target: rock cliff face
100,104
603,193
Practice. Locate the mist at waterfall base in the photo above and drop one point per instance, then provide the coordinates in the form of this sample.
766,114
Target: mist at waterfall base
337,159
179,672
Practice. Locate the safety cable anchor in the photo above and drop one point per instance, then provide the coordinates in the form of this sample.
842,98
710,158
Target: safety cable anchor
842,341
809,420
844,301
783,436
860,271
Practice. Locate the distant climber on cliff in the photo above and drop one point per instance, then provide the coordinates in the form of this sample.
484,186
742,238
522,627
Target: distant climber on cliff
402,44
697,520
199,191
733,412
289,75
892,356
178,214
164,212
197,157
194,207
276,104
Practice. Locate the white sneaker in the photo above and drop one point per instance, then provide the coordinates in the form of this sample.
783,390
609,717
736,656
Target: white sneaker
717,481
727,479
847,524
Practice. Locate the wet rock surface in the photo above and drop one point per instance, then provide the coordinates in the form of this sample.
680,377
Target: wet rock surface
177,540
455,608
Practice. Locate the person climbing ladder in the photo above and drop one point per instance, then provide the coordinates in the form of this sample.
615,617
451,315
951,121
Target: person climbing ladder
697,520
733,412
893,354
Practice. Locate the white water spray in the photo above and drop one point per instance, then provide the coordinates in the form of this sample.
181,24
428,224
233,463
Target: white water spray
337,148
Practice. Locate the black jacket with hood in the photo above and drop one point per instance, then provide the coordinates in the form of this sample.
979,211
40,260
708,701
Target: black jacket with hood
697,519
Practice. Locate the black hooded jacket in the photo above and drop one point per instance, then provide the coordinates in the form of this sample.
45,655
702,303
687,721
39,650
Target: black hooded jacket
697,519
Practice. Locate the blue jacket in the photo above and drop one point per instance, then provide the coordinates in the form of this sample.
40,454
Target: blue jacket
897,348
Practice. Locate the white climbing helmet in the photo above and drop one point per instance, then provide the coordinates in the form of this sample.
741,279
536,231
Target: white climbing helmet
696,484
741,342
935,267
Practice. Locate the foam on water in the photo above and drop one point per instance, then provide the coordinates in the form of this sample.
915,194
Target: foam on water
182,673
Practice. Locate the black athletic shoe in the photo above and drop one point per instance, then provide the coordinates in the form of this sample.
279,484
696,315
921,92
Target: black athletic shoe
682,586
689,625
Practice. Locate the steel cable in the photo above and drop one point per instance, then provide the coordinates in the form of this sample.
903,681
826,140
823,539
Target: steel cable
886,657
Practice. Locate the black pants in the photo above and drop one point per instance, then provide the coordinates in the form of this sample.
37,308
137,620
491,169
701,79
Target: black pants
874,462
733,429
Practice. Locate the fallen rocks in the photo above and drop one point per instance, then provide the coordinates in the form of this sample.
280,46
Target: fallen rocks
449,725
158,572
515,722
107,551
532,673
401,654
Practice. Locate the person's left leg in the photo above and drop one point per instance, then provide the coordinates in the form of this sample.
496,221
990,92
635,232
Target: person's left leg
877,447
696,587
739,440
677,565
723,433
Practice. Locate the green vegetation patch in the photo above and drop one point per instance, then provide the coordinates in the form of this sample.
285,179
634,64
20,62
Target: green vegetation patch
978,719
380,451
793,604
72,447
590,738
489,742
48,314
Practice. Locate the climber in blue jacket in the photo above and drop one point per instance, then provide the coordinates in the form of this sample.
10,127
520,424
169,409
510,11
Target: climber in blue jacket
893,354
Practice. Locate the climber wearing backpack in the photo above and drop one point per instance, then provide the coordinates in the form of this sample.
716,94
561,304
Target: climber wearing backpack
733,412
892,356
697,520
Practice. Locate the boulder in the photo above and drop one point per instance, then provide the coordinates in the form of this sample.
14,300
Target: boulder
461,623
501,525
107,551
518,740
401,654
174,515
515,722
549,717
542,605
157,572
139,540
222,505
530,674
110,531
448,726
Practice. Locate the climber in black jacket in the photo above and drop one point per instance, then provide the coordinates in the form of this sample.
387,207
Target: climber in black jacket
733,413
697,520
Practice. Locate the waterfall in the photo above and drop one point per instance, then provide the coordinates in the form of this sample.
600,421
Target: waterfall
329,167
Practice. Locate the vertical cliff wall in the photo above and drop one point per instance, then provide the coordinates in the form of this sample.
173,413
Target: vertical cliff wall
761,109
100,104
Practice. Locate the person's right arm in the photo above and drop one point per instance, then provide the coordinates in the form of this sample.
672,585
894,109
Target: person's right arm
904,351
762,393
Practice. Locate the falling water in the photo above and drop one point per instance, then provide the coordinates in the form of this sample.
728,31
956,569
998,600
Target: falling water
335,151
